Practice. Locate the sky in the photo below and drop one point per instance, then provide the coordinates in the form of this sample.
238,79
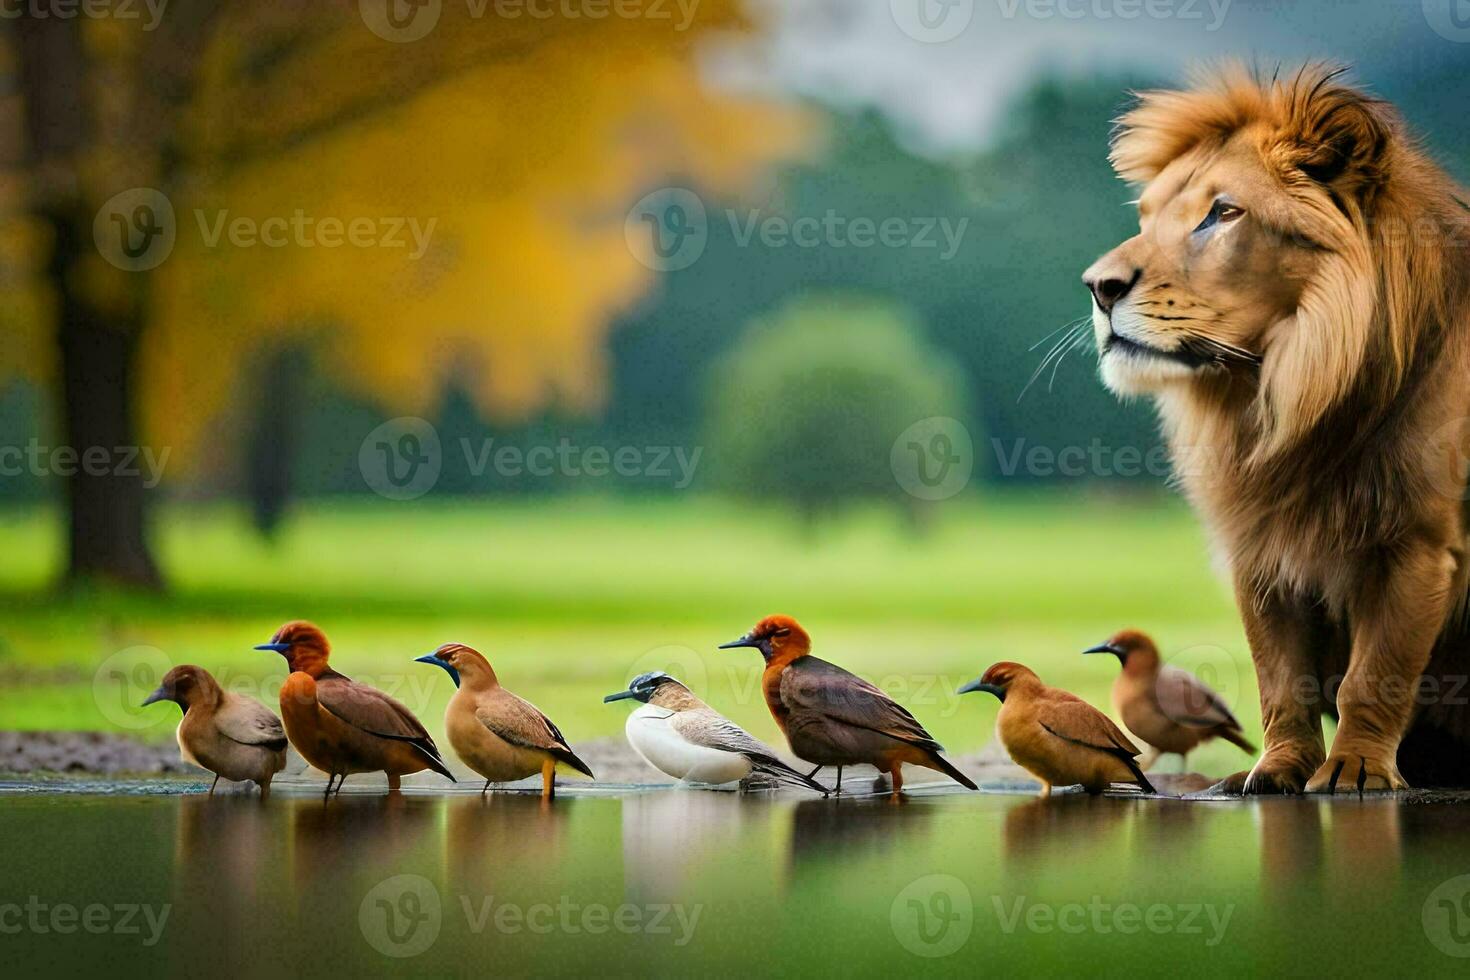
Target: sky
944,70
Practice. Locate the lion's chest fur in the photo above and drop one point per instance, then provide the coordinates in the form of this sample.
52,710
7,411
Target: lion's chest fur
1316,520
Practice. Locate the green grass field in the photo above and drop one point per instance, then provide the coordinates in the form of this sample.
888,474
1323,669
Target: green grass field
569,598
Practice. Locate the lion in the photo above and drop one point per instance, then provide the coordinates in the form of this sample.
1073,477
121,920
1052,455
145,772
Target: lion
1297,305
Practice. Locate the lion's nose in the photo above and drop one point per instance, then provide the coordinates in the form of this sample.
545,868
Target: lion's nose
1107,290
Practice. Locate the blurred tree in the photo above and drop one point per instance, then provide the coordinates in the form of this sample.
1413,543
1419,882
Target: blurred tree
806,406
488,163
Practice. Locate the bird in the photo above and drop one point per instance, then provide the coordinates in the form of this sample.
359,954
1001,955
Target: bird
497,734
831,717
1055,735
229,734
1168,709
340,726
678,734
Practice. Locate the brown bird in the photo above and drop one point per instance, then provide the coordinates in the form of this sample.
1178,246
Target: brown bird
1056,736
340,726
498,735
230,735
1168,709
834,718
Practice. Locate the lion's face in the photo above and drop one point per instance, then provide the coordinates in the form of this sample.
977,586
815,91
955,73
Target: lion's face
1216,270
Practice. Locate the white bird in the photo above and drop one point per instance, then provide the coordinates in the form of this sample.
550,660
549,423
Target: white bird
680,735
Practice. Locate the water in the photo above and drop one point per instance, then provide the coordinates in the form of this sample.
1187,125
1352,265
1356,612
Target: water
638,883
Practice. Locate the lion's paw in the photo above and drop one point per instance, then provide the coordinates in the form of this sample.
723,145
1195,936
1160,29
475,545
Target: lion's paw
1268,778
1355,773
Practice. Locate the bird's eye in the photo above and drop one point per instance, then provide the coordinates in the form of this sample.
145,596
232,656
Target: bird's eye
1221,212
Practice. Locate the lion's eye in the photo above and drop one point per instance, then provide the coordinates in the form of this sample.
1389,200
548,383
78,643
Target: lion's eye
1220,212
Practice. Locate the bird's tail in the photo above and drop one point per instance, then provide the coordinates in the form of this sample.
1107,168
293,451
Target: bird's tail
430,752
1138,775
777,769
939,762
1234,737
570,758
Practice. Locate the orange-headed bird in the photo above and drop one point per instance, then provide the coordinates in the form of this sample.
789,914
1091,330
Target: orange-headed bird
497,734
229,734
343,727
831,717
1169,709
1056,736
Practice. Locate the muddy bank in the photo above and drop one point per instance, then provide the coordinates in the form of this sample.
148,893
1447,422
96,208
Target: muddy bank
614,761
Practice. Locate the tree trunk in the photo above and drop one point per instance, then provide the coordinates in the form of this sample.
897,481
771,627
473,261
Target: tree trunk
98,350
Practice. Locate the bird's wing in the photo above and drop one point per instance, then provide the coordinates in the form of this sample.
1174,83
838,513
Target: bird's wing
368,708
816,685
1078,722
714,731
249,722
1186,699
520,722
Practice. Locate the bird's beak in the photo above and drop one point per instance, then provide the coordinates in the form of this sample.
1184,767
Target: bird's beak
978,685
745,641
433,658
1112,648
275,647
618,696
158,695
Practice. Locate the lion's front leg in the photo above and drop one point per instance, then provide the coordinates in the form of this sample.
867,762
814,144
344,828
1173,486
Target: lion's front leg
1395,617
1285,635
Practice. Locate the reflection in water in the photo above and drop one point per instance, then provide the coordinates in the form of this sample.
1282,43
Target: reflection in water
1074,823
497,837
669,835
824,829
329,840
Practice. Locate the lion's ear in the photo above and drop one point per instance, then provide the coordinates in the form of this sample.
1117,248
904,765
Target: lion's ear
1341,139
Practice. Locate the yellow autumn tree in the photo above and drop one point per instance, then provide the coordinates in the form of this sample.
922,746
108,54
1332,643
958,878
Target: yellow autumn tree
457,199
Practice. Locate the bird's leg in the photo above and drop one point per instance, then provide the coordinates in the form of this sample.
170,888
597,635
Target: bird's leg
214,784
265,789
328,794
548,779
394,780
486,789
813,773
1045,790
896,774
839,781
340,780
